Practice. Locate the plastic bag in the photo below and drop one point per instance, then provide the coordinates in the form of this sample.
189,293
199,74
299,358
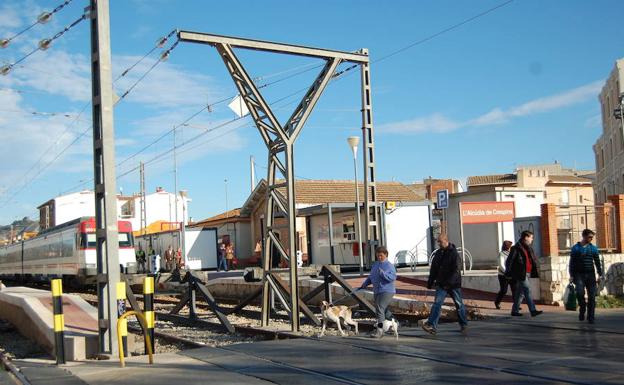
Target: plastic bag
569,296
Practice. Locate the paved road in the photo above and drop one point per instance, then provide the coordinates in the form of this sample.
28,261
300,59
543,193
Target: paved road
551,349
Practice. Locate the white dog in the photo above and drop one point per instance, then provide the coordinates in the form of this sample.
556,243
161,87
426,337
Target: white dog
391,326
335,314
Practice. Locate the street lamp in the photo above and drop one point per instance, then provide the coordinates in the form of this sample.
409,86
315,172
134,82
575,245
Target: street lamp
353,143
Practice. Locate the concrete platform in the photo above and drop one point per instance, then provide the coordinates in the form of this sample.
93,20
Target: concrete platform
30,310
551,349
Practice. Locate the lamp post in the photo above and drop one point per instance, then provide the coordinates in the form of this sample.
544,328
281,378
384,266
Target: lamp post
353,143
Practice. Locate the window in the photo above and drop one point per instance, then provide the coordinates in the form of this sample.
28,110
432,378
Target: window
580,199
545,195
582,220
565,196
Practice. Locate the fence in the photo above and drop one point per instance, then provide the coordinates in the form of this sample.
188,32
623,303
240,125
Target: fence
571,220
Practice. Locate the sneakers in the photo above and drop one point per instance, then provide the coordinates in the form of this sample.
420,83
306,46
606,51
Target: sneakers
516,314
428,328
377,333
497,305
581,316
536,313
464,329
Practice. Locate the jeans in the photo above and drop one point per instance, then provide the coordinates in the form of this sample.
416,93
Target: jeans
440,295
583,282
504,284
523,289
382,302
221,264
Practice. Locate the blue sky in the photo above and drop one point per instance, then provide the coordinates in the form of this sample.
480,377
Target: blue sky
516,86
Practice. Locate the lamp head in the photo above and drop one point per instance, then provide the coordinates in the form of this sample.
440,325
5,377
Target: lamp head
353,143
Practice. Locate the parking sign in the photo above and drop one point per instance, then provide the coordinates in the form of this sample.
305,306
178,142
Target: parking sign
443,199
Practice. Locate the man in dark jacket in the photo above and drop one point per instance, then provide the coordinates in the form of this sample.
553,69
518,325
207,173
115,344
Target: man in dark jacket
445,276
583,256
520,266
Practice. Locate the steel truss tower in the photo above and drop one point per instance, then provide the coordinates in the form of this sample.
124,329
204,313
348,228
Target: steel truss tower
280,141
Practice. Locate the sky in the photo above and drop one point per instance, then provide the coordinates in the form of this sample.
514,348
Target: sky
515,86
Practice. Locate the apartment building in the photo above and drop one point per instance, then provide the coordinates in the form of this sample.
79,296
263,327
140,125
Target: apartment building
609,148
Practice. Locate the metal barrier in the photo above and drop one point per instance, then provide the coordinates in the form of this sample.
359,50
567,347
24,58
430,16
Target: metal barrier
148,341
148,308
59,320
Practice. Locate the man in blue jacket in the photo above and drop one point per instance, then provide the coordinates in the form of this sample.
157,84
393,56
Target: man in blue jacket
382,276
445,276
583,256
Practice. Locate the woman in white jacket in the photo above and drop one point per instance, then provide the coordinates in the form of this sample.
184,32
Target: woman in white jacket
504,283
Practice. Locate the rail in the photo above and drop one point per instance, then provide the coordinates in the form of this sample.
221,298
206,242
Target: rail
148,341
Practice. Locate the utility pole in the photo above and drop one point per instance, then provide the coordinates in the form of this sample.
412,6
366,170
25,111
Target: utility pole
143,211
252,165
226,199
106,231
175,184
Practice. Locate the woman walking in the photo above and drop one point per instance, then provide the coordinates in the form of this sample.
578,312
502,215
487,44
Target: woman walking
382,276
502,280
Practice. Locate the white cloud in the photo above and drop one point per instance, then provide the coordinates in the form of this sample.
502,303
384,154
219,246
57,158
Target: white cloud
437,123
440,123
541,105
593,121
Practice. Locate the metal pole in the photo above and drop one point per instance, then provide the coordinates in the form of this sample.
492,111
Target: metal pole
357,213
107,241
226,198
184,259
252,165
175,187
461,235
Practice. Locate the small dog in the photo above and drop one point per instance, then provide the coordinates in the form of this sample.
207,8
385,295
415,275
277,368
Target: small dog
392,326
335,314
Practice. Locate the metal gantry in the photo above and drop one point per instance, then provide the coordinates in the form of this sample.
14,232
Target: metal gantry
280,141
107,243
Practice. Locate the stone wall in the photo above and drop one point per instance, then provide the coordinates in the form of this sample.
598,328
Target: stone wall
554,276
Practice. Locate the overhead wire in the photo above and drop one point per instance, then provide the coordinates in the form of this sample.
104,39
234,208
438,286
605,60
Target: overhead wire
42,46
335,76
41,19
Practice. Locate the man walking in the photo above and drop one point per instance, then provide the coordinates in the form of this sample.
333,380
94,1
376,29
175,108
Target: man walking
382,276
583,256
445,276
520,266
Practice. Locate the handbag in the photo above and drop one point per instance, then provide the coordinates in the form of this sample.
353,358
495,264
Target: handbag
570,297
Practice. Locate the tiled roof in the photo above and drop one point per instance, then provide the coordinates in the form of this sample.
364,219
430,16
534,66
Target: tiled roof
569,179
228,215
343,191
496,179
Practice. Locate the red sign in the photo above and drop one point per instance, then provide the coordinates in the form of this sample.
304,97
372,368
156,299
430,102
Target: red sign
487,212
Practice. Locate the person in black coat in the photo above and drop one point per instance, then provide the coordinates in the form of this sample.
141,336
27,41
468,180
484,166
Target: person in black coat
445,276
521,265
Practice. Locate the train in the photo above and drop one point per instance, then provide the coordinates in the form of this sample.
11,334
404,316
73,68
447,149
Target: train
65,251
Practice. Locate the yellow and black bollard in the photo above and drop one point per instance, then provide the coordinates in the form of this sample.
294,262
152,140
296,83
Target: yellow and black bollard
148,306
59,320
121,309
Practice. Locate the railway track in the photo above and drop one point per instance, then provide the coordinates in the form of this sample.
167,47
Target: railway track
13,371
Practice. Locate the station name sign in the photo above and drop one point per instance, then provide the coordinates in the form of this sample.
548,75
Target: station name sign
487,212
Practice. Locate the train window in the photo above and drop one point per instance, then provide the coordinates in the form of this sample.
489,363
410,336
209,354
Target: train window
125,240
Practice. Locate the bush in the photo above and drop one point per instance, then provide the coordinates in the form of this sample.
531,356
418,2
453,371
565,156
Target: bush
609,301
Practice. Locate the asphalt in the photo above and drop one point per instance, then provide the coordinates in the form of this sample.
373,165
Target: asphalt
554,348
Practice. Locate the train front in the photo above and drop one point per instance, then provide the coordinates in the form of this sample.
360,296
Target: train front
127,257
